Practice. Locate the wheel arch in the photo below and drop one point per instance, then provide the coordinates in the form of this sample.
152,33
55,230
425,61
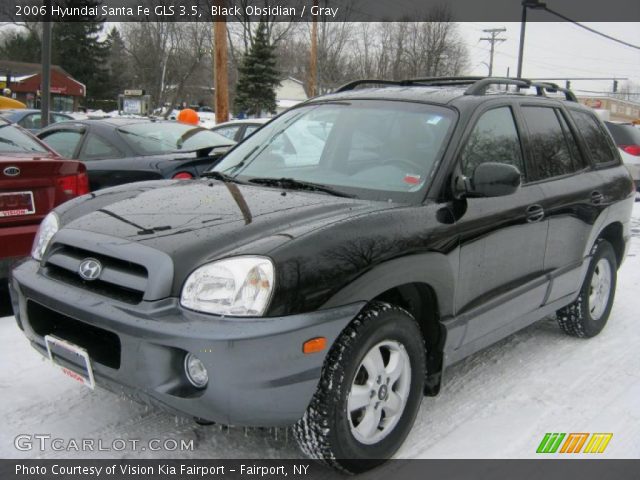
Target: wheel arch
614,234
422,284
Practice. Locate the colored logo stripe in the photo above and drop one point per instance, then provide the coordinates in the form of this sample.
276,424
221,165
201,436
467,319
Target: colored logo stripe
598,442
574,442
550,443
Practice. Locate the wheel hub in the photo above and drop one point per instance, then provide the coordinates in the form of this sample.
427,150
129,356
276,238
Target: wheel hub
379,392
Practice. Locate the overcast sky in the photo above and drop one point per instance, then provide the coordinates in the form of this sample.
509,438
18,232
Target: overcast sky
559,49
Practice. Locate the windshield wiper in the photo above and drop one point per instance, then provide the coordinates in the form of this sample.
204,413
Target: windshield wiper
293,184
223,177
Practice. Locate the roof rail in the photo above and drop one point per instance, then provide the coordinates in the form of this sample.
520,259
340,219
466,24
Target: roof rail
480,87
477,85
351,85
554,88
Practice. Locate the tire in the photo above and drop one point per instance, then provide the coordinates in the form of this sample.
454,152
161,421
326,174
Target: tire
587,316
343,440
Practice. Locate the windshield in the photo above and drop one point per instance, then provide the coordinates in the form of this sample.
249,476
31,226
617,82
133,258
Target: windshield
378,150
154,138
13,139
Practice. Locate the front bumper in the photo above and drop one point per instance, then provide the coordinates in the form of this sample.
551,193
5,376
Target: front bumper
258,374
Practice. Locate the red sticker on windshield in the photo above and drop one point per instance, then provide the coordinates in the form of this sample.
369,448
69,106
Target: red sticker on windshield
412,179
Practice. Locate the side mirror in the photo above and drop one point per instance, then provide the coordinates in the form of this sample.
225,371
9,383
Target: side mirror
491,179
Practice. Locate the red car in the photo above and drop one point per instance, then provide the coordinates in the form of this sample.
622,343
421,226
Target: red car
33,180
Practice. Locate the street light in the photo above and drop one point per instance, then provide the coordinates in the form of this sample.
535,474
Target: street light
533,4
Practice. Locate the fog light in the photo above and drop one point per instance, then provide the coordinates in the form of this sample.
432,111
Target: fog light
195,370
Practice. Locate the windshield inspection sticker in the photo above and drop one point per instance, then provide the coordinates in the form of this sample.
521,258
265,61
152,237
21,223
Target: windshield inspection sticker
411,179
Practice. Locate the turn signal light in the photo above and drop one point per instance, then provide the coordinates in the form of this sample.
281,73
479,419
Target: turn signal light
314,345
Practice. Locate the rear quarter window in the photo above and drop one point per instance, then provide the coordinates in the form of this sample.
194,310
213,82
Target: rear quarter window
598,141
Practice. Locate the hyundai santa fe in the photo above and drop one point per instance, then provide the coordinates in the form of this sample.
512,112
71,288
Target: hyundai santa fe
326,272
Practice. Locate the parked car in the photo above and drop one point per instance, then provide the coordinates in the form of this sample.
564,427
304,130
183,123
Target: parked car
238,130
33,180
32,119
124,150
429,220
627,137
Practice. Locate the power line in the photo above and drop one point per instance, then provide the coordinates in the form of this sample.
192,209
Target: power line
622,42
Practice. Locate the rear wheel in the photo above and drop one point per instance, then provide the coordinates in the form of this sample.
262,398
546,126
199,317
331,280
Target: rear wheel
369,393
587,316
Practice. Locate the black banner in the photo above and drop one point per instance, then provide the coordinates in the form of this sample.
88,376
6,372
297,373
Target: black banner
581,469
323,10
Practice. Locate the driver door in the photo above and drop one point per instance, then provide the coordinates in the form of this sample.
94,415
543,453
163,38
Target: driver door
502,239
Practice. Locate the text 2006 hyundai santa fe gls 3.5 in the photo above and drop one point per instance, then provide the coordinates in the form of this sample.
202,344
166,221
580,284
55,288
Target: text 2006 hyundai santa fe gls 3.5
332,265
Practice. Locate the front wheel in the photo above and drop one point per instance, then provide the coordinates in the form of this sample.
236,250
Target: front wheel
369,392
587,316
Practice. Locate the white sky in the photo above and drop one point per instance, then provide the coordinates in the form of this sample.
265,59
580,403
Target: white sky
559,49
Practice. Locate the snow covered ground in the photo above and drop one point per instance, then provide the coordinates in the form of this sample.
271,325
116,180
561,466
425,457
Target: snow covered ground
497,404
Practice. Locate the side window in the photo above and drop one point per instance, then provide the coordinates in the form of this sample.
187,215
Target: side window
493,139
249,130
549,147
65,142
55,118
96,148
599,145
229,132
31,122
579,162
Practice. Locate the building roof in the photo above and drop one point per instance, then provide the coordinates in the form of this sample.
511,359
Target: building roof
23,69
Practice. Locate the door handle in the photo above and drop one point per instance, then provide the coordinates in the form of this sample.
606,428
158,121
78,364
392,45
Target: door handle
535,213
596,198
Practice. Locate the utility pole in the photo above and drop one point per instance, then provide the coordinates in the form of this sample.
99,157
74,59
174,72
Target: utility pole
45,87
312,81
493,39
221,78
523,25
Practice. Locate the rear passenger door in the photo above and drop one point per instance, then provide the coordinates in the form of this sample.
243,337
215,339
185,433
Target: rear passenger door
572,193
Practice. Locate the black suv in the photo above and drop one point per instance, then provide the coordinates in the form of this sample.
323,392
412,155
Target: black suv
331,266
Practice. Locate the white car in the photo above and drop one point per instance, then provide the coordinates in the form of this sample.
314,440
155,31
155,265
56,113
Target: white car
627,138
239,129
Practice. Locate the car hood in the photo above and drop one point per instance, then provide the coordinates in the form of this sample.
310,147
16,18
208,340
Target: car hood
201,220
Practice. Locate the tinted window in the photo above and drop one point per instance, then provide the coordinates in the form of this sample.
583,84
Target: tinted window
370,149
64,142
96,148
493,139
249,130
33,121
152,138
13,139
548,143
229,132
599,144
624,134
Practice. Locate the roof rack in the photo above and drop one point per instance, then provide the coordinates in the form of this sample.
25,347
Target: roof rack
477,85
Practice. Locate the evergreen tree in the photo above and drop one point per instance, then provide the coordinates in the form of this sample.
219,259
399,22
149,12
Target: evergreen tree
258,77
21,47
118,66
77,48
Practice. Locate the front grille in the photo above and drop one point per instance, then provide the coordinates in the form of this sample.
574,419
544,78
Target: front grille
102,345
121,280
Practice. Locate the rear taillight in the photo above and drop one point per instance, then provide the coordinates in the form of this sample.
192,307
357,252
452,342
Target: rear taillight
631,149
182,176
74,185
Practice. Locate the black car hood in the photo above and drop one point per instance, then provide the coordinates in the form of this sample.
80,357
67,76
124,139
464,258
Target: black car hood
200,220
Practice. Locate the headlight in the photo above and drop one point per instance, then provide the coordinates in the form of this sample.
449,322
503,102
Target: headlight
46,231
239,287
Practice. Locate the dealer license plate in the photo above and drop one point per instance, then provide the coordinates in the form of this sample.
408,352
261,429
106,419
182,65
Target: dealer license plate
73,360
14,204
